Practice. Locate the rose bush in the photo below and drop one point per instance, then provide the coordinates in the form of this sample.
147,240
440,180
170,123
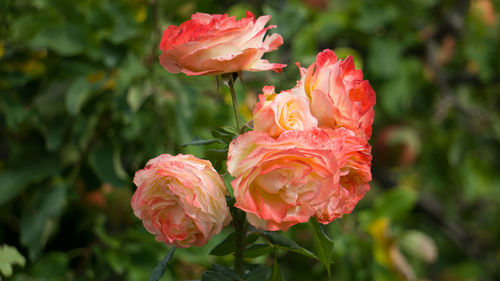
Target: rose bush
284,181
276,113
181,200
216,44
338,94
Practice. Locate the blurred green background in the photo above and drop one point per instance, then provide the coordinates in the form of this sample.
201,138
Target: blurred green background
84,104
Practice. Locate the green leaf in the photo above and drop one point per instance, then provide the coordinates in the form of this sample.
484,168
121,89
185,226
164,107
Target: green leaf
9,256
226,133
77,95
225,247
257,250
162,266
40,219
284,243
255,272
14,180
323,244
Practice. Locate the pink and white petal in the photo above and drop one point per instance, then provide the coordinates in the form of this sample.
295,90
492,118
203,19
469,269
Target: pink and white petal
232,62
262,65
272,42
169,63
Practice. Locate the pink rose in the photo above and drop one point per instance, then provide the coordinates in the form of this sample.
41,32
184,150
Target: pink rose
284,181
276,113
216,44
181,200
339,96
354,159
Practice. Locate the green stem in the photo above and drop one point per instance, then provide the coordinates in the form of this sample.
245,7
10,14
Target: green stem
240,229
235,102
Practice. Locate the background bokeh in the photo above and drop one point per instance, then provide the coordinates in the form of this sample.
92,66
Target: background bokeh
84,103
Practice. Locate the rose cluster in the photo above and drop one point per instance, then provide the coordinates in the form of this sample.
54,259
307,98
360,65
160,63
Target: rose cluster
307,155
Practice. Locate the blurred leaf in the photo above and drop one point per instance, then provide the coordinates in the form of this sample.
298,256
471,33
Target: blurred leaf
220,273
52,266
9,256
255,272
395,203
13,111
40,219
162,266
225,247
373,17
384,57
201,142
77,95
65,39
130,69
136,96
103,161
276,275
420,245
14,180
323,245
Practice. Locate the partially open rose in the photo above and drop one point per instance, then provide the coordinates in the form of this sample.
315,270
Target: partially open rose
276,113
339,96
181,200
216,44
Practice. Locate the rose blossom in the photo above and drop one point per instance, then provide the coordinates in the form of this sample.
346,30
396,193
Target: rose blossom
339,96
354,159
276,113
284,181
216,44
180,199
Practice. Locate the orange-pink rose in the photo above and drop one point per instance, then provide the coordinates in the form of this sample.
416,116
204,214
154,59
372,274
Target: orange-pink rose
216,44
276,113
284,181
338,94
354,159
181,200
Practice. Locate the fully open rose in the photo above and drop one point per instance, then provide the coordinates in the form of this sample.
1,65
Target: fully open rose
276,113
216,44
181,200
284,181
339,96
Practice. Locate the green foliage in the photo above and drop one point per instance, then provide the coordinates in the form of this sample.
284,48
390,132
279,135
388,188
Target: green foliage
84,104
